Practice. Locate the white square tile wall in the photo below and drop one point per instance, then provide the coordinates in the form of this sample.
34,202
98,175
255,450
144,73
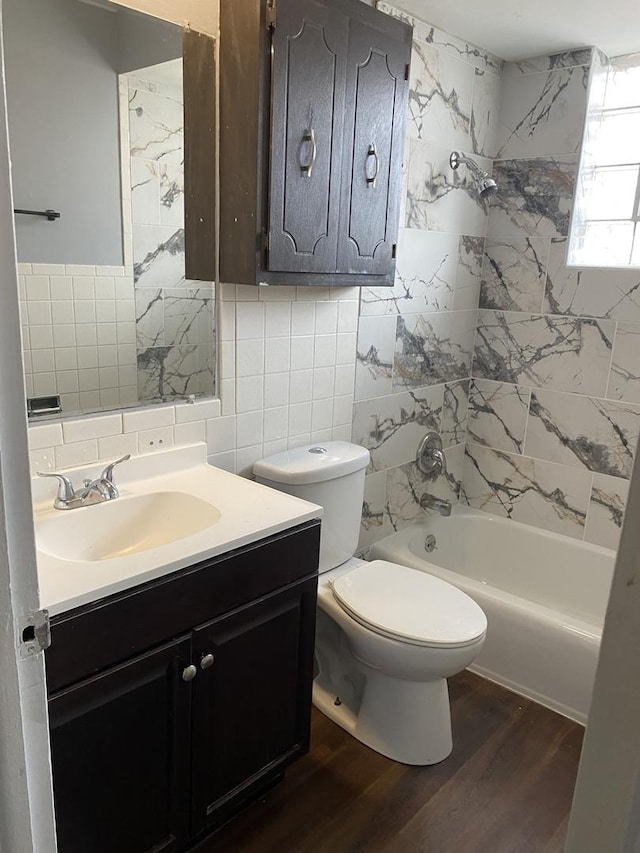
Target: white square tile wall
79,334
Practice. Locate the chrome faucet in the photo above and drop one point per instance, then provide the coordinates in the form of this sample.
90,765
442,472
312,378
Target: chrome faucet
430,458
431,462
93,492
442,506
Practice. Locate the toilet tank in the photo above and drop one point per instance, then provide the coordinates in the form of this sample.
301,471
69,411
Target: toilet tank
332,475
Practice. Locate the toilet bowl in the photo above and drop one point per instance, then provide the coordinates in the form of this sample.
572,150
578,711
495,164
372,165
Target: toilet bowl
387,636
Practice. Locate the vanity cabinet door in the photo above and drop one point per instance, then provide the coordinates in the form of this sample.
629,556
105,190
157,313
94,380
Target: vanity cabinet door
252,701
376,97
309,53
120,744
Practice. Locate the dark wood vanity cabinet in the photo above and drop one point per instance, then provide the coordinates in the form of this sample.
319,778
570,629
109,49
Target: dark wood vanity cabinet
313,97
249,715
164,722
120,745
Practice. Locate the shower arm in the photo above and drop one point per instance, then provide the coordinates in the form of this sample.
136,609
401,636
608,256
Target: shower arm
457,158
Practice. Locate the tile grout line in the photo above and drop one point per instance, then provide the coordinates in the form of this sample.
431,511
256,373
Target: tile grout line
613,349
586,517
526,421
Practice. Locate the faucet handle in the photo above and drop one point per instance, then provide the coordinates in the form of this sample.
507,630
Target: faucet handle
430,458
107,474
439,456
66,492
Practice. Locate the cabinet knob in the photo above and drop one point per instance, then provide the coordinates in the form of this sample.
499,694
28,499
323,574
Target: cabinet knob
189,673
206,661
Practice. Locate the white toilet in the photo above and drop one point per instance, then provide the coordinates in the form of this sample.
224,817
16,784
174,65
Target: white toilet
387,636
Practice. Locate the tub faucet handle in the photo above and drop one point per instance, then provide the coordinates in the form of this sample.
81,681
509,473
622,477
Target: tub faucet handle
430,458
439,457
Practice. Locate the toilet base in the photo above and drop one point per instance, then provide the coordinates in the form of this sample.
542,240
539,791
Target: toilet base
408,721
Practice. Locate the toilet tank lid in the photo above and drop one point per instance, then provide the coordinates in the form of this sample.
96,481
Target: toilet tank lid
312,463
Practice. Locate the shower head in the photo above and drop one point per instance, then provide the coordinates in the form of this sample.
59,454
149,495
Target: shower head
485,185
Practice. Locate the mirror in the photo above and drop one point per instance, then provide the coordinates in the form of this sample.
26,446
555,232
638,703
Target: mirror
96,126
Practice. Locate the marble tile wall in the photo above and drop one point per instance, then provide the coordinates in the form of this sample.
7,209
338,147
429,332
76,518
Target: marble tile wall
554,403
415,340
174,317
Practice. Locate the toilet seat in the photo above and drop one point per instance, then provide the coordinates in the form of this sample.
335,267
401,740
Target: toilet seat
410,606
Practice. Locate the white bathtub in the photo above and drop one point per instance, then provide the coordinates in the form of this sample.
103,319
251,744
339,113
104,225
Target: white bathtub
544,594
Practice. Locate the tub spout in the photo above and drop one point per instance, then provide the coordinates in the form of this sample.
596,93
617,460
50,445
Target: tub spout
428,501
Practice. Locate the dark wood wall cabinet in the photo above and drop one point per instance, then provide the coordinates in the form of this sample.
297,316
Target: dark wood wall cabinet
313,98
175,703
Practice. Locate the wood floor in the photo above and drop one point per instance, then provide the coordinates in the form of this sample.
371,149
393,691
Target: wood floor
506,788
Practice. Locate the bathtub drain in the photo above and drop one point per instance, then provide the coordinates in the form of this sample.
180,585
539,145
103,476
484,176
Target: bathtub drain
430,543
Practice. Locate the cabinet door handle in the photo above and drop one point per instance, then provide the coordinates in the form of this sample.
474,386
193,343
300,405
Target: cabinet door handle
372,152
206,661
308,137
189,672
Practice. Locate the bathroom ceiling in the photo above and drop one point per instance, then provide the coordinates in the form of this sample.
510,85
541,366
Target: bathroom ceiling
515,29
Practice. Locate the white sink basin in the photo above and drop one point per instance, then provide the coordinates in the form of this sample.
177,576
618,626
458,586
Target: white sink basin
125,526
174,510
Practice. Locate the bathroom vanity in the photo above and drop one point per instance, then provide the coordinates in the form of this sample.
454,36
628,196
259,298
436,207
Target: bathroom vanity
175,701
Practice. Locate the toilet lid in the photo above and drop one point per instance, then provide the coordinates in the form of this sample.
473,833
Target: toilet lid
410,605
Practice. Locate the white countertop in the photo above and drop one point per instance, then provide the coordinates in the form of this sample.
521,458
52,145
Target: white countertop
248,512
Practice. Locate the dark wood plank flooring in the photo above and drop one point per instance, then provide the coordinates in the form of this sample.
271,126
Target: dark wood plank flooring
506,788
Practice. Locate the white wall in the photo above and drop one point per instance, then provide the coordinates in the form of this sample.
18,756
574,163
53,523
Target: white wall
201,15
62,95
144,41
62,61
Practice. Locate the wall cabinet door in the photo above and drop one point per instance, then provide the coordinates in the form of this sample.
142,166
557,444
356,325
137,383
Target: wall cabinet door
337,135
120,746
313,96
252,703
309,49
377,71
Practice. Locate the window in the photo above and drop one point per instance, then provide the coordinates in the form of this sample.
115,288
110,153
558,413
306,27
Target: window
605,231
